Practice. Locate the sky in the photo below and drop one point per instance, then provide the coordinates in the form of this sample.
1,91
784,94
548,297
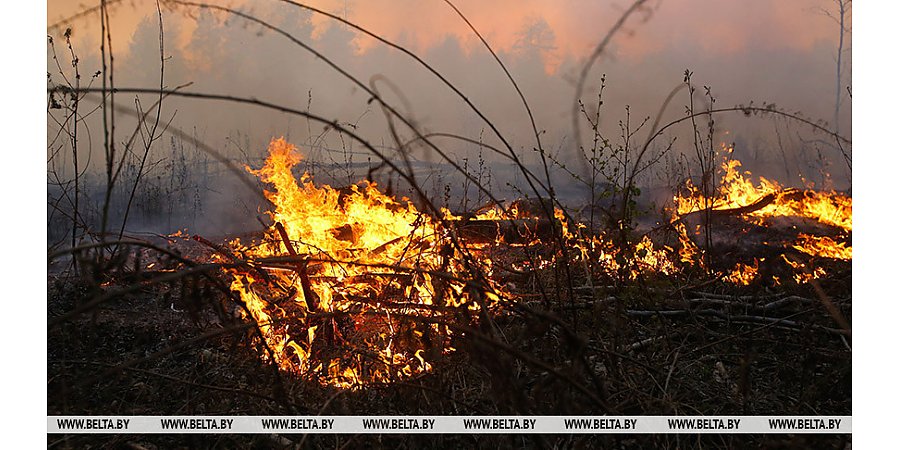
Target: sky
765,51
573,26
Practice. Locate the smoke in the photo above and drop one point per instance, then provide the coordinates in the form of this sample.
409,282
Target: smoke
776,52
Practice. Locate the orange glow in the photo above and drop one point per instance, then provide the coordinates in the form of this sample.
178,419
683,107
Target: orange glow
823,246
370,261
574,27
737,190
743,274
362,293
766,200
802,272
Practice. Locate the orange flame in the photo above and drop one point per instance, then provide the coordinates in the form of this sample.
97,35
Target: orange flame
737,191
743,274
352,287
365,264
823,246
769,199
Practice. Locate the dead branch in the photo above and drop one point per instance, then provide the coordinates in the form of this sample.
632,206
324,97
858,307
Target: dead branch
517,231
761,203
218,248
300,267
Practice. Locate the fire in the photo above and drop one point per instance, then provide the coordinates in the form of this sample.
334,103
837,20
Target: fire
362,264
768,199
689,252
738,191
802,272
649,259
823,246
350,287
638,259
743,274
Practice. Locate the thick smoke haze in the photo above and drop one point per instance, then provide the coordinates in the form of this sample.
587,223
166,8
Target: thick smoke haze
762,51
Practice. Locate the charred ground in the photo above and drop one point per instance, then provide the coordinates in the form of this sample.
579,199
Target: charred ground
657,345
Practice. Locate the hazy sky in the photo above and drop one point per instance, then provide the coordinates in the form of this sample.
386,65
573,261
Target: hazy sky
762,51
718,27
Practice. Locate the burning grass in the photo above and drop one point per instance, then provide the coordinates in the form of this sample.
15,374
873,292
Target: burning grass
353,302
359,264
763,204
351,287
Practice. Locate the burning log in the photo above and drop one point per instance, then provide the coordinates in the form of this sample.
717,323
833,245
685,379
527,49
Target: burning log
382,278
757,205
737,195
767,216
235,259
311,303
218,248
381,268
